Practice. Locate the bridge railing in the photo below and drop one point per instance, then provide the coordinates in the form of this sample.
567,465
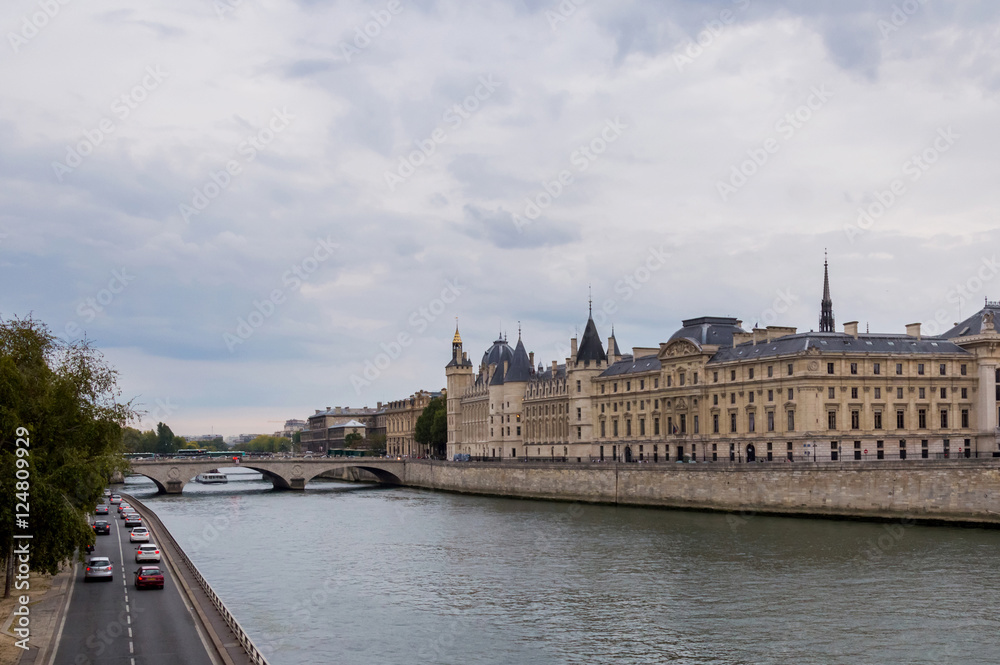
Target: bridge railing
255,655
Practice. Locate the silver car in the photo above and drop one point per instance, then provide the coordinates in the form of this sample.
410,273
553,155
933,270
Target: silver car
99,568
139,534
149,552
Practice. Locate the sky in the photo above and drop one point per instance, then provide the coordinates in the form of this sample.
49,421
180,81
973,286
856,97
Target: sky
260,208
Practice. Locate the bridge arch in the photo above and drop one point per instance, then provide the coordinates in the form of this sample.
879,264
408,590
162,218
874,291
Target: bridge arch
384,476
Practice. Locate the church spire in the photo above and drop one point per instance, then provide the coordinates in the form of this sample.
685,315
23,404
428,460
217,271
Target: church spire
826,323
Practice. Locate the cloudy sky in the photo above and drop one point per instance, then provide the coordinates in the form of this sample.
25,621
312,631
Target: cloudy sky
258,208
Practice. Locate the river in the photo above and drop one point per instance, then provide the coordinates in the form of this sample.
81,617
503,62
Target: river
355,574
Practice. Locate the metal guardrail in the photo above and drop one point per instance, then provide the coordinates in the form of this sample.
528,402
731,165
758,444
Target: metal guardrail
251,649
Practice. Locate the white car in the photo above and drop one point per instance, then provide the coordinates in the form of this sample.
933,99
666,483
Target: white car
116,498
150,552
139,534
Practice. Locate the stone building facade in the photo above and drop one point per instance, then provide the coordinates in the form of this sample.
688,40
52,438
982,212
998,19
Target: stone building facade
324,429
401,422
716,392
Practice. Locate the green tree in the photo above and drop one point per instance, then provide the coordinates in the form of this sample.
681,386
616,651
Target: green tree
432,427
60,402
376,444
352,440
139,442
166,442
297,437
268,444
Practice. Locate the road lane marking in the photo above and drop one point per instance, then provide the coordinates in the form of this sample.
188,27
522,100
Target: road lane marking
62,622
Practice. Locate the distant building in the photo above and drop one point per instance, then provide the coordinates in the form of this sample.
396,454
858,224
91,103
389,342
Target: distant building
718,392
291,427
321,432
401,421
241,439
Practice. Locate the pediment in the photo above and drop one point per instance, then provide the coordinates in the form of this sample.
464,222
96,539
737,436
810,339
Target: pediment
679,348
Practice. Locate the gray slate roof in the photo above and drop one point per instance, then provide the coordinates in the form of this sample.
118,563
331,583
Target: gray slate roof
974,324
520,365
499,352
708,330
590,345
630,365
546,373
837,343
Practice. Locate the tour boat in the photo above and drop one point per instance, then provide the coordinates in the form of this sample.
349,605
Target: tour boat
211,478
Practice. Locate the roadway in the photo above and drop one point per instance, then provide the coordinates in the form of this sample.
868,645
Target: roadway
113,623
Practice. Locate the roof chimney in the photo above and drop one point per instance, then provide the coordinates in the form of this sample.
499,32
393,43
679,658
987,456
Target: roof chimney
572,348
555,363
531,359
851,328
913,330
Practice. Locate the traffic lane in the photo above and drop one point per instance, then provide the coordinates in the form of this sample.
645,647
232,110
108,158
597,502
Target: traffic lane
97,620
164,630
113,622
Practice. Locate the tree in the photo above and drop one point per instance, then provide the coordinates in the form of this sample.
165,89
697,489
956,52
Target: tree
268,444
432,427
376,444
60,402
352,440
166,442
297,437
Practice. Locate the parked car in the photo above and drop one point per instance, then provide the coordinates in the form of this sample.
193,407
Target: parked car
102,528
102,509
148,577
116,498
148,552
99,568
133,519
139,534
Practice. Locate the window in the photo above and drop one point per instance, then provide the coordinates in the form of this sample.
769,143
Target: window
878,420
750,422
579,413
857,450
922,393
602,388
750,396
579,432
656,383
946,444
829,368
831,393
878,393
684,423
628,427
962,370
602,408
715,377
519,430
790,393
715,423
656,404
834,451
790,458
715,400
696,425
732,398
578,386
770,421
944,393
855,420
965,393
770,395
965,418
614,387
900,420
670,425
791,366
732,375
656,426
831,420
680,378
880,453
854,393
628,386
751,372
899,393
902,449
942,369
614,427
694,377
791,421
899,368
732,422
770,371
642,384
944,418
876,368
854,368
603,432
670,381
921,419
920,368
923,448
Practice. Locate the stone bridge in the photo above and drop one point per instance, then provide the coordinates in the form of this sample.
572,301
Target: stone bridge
170,476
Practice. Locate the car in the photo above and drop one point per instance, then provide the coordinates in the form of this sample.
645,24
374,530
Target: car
125,513
139,534
123,505
133,520
107,492
102,509
148,552
99,568
148,577
102,528
116,498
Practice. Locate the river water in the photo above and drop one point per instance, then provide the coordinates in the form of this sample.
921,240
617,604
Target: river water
354,574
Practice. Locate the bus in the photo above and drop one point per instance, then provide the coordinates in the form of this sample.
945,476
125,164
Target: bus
229,454
140,455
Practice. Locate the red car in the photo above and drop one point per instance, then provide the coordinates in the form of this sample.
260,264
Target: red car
148,577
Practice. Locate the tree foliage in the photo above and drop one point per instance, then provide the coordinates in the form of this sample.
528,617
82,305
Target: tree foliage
66,398
432,427
268,444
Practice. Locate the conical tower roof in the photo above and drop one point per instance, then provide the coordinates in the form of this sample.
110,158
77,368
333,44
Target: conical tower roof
520,365
590,345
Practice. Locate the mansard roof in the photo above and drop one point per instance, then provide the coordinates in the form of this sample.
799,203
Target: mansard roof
974,324
630,365
520,365
837,343
717,330
546,373
590,345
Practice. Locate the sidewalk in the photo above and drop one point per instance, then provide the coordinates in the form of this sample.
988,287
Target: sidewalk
46,613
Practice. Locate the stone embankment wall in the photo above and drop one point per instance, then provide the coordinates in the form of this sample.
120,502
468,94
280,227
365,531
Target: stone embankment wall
926,490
